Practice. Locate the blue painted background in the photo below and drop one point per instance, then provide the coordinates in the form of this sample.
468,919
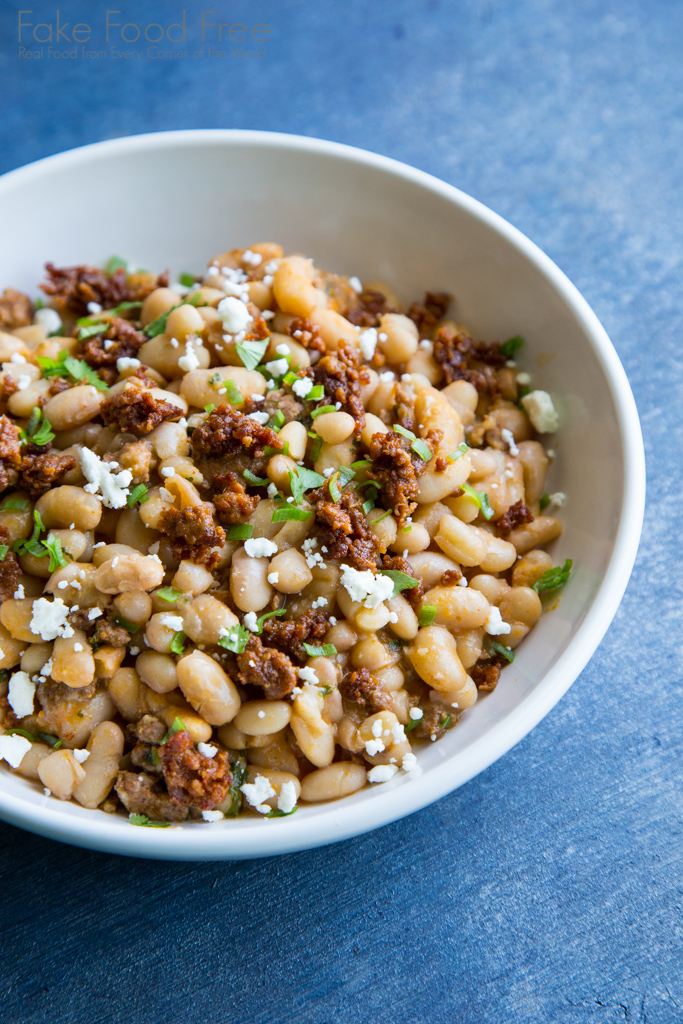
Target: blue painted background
550,888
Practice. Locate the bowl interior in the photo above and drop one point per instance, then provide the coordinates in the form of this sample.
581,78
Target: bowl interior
174,201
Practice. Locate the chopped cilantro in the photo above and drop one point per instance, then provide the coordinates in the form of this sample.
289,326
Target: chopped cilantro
301,480
178,642
208,409
139,493
89,332
481,498
235,639
188,280
277,813
322,410
178,726
66,365
277,420
114,263
401,580
36,431
505,652
544,502
427,614
142,819
251,352
240,531
555,578
325,651
158,326
413,723
169,594
508,348
445,721
269,615
33,545
238,770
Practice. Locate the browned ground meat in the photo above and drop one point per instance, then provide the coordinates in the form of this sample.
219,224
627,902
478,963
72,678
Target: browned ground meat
228,432
74,287
149,729
122,339
434,722
193,533
142,794
399,564
281,401
108,633
427,314
339,374
142,757
450,577
404,407
517,515
289,635
57,385
396,467
361,686
10,452
267,668
345,531
486,674
62,707
192,779
306,333
233,504
135,456
38,473
136,411
16,310
10,570
454,352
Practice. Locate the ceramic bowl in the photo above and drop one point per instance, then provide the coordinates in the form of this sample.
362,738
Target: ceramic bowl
175,199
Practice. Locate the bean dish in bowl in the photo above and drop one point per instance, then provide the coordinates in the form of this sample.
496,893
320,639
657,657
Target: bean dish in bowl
266,532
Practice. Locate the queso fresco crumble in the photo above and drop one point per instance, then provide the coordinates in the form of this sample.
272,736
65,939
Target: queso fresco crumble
262,533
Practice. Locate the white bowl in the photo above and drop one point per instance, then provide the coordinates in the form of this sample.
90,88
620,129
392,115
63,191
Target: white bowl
173,200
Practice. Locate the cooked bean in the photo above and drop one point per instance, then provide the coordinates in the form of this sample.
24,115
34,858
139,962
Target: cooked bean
295,435
470,644
125,574
401,337
500,556
491,587
313,734
291,571
208,688
60,772
536,534
101,768
263,717
434,656
334,328
72,661
521,604
158,671
249,586
65,505
334,427
464,544
134,607
127,692
74,407
31,759
458,607
338,780
530,567
206,619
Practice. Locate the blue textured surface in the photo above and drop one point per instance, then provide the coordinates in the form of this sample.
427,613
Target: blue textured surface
549,889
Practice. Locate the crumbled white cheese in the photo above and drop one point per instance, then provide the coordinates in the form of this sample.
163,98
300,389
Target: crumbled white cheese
302,386
509,439
49,319
319,602
426,345
277,367
257,792
286,800
49,619
207,749
273,578
368,342
387,376
190,361
308,675
127,363
462,582
213,816
416,714
259,417
94,613
19,593
373,747
494,624
23,382
366,588
409,763
94,308
81,755
558,499
272,490
382,773
167,471
259,547
174,622
541,411
252,259
21,694
249,622
356,284
267,314
234,314
13,749
78,648
398,733
240,291
113,487
282,350
377,728
524,378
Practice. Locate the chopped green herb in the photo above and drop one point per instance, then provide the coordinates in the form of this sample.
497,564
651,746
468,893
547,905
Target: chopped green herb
21,732
178,642
421,449
301,480
144,821
269,615
316,446
544,502
114,263
208,409
20,504
445,721
178,726
380,519
461,450
33,546
126,624
326,651
289,378
240,531
3,552
66,365
238,770
187,280
52,741
325,690
508,348
522,392
481,498
368,506
89,332
255,481
251,352
235,639
277,451
281,515
401,580
555,578
427,614
39,304
405,433
338,481
322,410
505,652
53,545
139,493
277,420
316,393
277,813
233,392
361,464
169,594
43,435
413,723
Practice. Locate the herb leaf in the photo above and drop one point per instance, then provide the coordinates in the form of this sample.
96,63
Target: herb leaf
277,813
142,819
555,578
281,515
240,531
422,449
508,348
322,410
255,481
20,504
544,502
427,614
505,652
53,545
158,326
235,639
139,493
326,651
401,580
178,642
252,352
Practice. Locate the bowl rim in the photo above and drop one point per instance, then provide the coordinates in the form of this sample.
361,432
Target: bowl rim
335,822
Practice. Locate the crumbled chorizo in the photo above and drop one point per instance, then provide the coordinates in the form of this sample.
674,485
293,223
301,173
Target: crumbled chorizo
10,570
345,529
39,473
396,467
450,577
141,793
435,722
399,564
289,635
193,533
136,411
363,688
149,729
427,314
16,310
486,674
517,515
228,432
306,333
369,308
74,287
57,385
10,452
101,351
281,401
192,779
233,504
267,668
339,374
135,456
455,352
109,633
